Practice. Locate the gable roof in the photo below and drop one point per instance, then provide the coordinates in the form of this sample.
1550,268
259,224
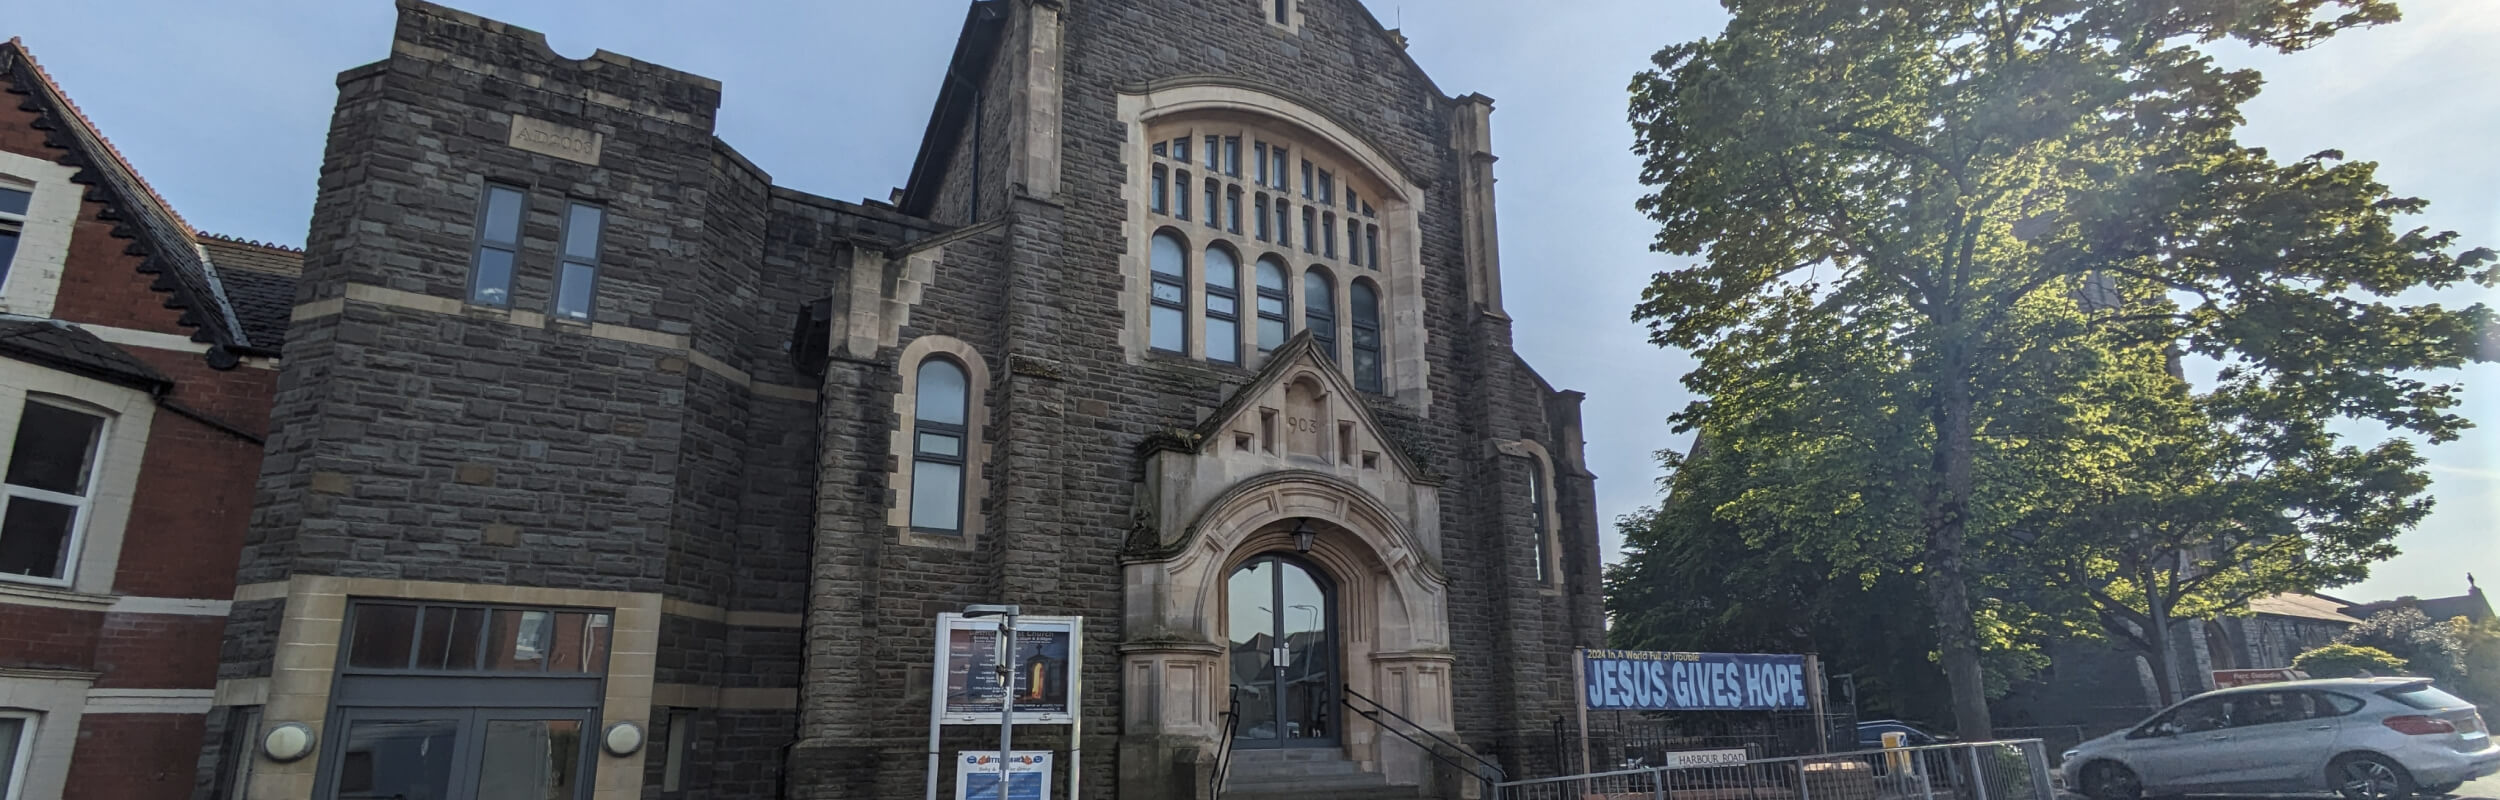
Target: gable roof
159,236
958,92
1297,352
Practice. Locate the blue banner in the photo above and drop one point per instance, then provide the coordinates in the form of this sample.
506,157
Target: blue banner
1629,680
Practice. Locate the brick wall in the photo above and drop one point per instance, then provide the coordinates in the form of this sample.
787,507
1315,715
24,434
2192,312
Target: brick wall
135,757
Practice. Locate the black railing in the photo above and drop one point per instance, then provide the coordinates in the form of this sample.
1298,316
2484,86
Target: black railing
1224,749
1485,771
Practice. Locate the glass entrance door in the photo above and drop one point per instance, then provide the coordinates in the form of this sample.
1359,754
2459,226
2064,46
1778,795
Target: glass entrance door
460,754
1282,622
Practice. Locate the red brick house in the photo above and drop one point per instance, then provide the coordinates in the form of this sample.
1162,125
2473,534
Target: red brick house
137,362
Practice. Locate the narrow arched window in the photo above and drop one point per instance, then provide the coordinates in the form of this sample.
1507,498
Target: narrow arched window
942,402
1168,326
1215,191
1260,208
1181,189
1310,229
1273,303
1232,210
1319,310
1223,306
1284,222
1537,512
1366,313
1162,197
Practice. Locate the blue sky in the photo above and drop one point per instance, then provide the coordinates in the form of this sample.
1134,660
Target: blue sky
224,107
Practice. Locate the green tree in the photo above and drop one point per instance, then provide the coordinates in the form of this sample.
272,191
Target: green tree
2348,661
2431,648
1905,204
2155,505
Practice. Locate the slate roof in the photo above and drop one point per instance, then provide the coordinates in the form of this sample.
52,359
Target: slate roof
67,347
2303,606
260,284
160,237
2472,605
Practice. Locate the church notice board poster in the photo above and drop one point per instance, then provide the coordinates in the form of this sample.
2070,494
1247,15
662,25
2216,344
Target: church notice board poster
1047,691
1028,774
1624,680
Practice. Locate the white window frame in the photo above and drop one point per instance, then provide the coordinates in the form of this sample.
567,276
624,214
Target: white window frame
25,762
34,273
15,222
72,550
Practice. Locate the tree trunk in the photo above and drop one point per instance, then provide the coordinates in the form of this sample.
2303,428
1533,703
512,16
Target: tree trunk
2164,678
1948,589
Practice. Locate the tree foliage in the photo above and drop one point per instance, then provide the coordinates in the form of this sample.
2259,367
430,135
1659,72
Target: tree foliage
2431,648
1945,242
2348,661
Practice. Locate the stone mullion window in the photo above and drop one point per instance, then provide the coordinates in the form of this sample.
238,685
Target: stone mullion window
1275,304
1223,305
1364,302
1201,315
1168,322
1319,309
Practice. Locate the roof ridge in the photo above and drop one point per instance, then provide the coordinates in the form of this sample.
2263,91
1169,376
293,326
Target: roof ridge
46,75
250,242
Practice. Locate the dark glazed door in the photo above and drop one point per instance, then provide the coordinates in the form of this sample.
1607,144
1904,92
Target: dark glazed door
1282,619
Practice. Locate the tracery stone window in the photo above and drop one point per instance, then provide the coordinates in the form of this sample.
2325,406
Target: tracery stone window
1259,208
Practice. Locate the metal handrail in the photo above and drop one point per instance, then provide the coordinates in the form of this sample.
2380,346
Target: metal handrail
1350,695
1224,749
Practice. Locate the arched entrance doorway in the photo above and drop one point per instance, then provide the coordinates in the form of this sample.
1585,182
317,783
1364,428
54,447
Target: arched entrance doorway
1282,644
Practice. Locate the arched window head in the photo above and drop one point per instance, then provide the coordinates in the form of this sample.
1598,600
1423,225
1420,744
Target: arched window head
1319,310
943,399
1223,306
1168,325
1365,302
1275,305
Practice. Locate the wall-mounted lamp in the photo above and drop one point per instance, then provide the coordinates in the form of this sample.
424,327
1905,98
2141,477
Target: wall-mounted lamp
1302,535
622,739
287,742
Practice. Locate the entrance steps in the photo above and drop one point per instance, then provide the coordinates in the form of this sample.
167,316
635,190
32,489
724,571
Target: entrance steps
1305,774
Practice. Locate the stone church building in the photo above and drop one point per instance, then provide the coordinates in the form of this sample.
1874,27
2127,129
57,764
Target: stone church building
1188,321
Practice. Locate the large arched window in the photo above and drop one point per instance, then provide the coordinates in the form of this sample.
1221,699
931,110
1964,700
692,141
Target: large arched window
1366,317
1168,325
1319,310
1275,307
1223,305
1284,206
943,403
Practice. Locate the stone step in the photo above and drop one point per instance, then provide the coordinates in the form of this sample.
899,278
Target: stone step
1271,782
1293,769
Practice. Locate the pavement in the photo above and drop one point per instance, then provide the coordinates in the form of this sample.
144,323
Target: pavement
2485,789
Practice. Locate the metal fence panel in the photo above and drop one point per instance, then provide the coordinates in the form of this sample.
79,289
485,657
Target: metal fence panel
2017,770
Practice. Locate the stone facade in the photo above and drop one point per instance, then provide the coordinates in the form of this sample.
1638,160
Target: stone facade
683,452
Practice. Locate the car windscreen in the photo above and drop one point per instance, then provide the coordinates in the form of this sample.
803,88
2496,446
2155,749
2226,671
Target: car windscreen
2423,696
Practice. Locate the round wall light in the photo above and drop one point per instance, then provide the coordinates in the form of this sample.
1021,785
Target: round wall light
622,739
287,742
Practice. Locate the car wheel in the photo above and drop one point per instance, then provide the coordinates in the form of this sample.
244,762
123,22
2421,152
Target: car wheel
2369,777
2442,789
2107,780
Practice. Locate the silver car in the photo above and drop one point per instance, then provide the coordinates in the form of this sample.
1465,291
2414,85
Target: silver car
2365,738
